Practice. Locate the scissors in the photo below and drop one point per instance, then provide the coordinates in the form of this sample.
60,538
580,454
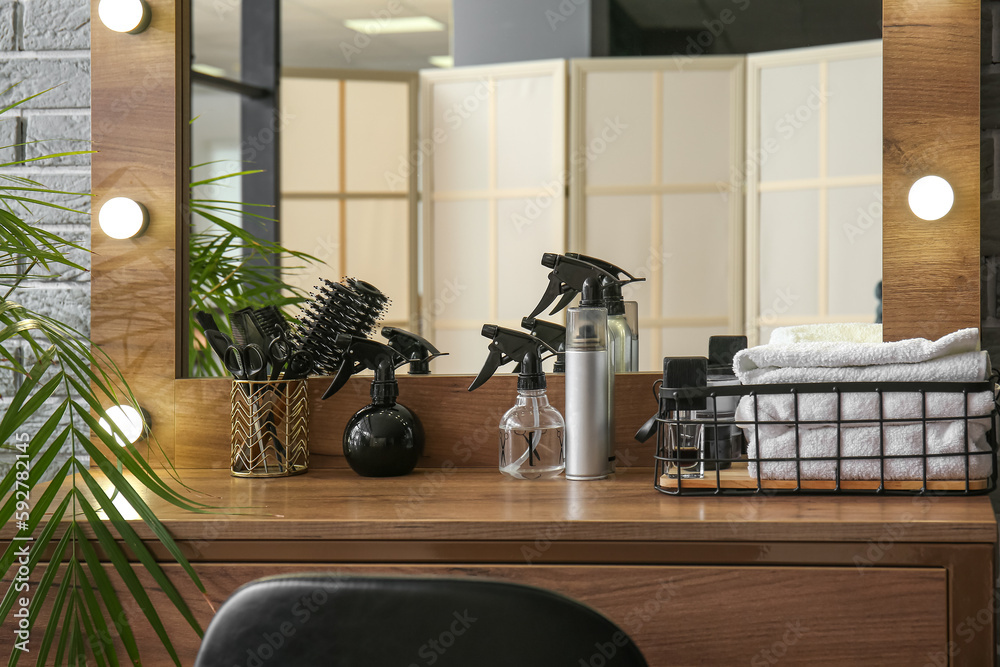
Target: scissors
279,351
246,362
295,363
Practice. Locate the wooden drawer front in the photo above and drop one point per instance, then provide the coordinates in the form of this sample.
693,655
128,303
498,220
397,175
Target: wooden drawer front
757,616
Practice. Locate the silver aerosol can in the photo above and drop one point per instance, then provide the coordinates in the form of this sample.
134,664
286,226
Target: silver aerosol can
588,387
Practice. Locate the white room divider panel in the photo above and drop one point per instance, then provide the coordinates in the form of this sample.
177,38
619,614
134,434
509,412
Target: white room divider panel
349,180
655,151
814,193
493,143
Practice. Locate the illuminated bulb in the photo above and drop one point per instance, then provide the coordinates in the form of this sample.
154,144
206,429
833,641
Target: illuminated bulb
123,218
124,15
132,422
931,197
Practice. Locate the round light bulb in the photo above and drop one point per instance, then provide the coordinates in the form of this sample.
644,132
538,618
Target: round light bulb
124,15
931,197
128,419
123,218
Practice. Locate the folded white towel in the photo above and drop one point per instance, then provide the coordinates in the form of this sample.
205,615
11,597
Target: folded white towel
854,332
900,440
952,358
854,406
964,367
840,354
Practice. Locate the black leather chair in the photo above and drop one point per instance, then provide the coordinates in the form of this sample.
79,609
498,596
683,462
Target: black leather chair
313,619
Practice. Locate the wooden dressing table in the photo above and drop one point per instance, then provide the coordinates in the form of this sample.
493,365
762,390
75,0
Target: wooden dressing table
712,581
715,581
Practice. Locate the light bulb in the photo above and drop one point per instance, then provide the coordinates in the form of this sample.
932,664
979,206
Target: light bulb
132,422
123,218
130,16
931,197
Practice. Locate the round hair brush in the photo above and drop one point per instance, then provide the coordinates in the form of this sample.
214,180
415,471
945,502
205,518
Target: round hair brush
352,307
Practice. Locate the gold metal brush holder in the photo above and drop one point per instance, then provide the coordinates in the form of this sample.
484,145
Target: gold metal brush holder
270,428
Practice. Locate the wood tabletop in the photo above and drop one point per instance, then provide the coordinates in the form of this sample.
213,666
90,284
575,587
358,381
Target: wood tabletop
481,504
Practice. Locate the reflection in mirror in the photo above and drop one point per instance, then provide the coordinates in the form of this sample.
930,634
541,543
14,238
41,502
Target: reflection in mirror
737,166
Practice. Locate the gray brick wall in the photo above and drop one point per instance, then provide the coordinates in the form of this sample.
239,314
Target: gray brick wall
45,44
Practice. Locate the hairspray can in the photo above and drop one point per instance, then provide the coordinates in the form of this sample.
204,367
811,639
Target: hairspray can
588,437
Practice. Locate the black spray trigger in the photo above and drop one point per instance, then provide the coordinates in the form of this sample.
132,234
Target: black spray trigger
418,351
551,292
493,362
617,271
567,296
570,273
361,354
507,345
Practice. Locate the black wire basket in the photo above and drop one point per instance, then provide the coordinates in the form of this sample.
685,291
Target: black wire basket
858,438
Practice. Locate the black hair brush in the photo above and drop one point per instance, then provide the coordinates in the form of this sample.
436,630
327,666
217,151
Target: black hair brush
351,307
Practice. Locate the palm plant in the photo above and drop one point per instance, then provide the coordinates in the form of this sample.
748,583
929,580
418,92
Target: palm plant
231,269
59,369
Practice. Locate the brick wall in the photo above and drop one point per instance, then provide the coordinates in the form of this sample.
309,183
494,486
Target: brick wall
46,44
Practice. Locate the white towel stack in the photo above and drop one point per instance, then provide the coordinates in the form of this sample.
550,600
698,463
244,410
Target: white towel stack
804,354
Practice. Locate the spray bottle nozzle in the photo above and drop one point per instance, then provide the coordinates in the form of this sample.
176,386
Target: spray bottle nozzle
591,292
553,334
617,271
508,345
361,354
417,350
566,280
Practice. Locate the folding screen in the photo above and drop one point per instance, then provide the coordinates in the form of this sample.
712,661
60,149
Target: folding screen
492,141
655,149
814,185
348,180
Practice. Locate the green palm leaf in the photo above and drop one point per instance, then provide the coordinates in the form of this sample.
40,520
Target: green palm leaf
66,375
231,269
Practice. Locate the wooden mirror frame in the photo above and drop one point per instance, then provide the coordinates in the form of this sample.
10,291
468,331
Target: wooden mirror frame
930,270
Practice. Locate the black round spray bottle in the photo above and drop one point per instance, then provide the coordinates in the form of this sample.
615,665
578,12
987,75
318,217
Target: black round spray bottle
384,438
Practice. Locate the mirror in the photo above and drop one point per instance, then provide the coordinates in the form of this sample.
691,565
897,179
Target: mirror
768,214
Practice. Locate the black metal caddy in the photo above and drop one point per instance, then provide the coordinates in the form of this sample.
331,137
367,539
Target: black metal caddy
749,475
